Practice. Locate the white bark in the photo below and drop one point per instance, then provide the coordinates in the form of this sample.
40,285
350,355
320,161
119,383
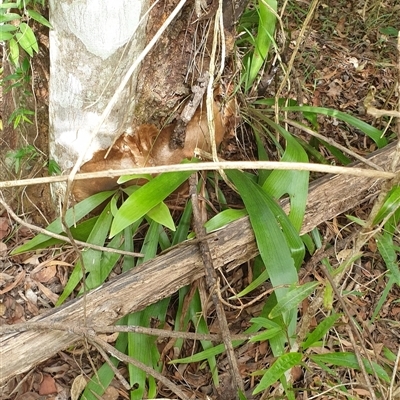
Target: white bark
92,44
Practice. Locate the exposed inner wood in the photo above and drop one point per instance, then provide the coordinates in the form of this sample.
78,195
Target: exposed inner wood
179,266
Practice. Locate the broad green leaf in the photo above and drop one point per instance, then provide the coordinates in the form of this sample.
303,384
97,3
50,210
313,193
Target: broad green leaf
271,241
6,36
183,228
195,313
375,134
126,178
8,5
293,183
390,356
262,156
14,52
320,331
8,28
390,205
267,10
9,17
349,360
267,335
242,396
39,18
97,276
161,214
265,323
26,39
389,31
385,246
146,198
284,363
253,285
224,218
293,298
73,215
91,258
383,296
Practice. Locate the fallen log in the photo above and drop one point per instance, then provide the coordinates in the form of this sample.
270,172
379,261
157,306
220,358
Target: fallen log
161,277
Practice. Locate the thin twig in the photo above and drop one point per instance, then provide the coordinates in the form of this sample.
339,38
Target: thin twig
126,385
209,166
395,369
64,238
211,280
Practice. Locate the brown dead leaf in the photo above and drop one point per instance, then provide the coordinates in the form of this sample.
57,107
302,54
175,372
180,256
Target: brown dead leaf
28,396
33,260
16,282
47,292
362,392
340,27
77,387
44,274
3,247
4,227
48,385
111,393
334,89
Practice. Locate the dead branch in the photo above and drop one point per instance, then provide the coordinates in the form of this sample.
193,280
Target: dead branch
181,265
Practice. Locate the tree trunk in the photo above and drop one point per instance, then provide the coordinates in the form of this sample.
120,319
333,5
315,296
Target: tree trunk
92,45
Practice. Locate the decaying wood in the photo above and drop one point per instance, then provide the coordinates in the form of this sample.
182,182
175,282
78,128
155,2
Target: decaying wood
181,265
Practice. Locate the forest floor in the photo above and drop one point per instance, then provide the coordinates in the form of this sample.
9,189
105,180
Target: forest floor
348,53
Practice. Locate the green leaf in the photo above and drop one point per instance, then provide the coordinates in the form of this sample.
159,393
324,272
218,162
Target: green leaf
292,299
271,241
9,17
284,363
349,360
389,31
126,178
143,347
98,274
385,246
73,215
14,52
224,218
26,39
267,335
267,10
102,379
39,18
182,230
5,36
390,205
320,331
293,183
91,258
8,28
146,198
161,214
375,134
